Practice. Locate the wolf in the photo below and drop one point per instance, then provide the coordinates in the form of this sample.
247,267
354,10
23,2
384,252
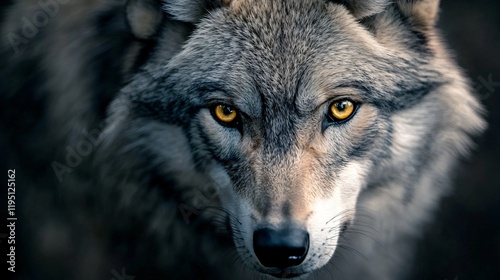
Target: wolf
229,139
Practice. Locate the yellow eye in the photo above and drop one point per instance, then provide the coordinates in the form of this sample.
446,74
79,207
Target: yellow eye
225,114
342,109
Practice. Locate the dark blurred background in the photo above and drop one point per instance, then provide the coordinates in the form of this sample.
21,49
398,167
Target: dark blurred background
463,241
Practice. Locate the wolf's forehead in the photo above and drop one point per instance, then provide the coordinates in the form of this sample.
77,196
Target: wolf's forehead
278,41
248,7
286,27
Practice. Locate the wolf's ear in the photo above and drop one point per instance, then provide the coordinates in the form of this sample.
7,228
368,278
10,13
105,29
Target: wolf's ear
191,11
421,12
144,17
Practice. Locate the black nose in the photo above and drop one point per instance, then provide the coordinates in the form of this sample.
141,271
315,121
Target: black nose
280,248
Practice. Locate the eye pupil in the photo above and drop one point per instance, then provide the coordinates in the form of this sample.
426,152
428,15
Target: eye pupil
227,110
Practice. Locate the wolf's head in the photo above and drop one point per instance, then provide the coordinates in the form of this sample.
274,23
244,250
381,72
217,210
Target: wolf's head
293,108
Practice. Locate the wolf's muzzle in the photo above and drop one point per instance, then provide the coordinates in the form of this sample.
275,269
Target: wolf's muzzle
280,248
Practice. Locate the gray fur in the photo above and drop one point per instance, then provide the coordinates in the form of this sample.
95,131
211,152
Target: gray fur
160,152
362,9
186,10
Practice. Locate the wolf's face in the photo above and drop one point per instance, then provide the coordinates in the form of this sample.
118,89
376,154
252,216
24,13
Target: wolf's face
283,130
288,106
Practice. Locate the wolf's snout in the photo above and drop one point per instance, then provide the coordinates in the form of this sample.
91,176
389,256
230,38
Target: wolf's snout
280,248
